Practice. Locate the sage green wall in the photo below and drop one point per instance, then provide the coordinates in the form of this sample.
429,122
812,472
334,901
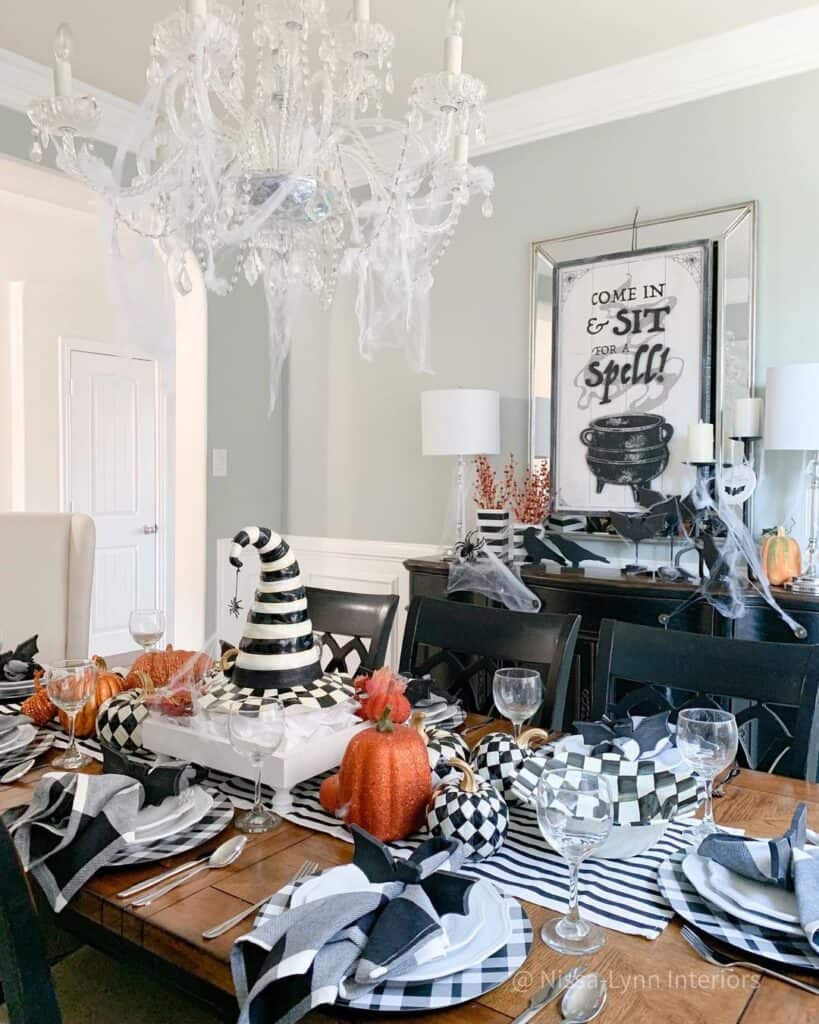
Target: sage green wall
238,417
759,143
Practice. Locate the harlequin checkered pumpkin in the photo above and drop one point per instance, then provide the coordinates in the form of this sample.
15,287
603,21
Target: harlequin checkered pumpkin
119,722
470,810
442,746
497,758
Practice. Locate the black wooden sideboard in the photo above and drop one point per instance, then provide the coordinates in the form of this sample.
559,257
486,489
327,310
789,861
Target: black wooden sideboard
606,594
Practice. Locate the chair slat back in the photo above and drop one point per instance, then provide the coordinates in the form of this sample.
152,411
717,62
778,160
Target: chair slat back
355,628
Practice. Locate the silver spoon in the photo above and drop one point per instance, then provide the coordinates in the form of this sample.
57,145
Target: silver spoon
223,855
18,771
584,999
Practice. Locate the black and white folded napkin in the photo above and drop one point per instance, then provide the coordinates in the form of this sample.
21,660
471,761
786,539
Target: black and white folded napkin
159,780
631,737
348,943
73,826
790,861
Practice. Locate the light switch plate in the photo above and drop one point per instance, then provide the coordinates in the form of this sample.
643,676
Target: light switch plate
220,461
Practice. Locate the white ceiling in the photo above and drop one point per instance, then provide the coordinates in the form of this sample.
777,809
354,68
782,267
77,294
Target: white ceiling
513,45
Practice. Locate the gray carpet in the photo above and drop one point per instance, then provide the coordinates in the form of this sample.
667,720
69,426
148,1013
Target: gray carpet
94,989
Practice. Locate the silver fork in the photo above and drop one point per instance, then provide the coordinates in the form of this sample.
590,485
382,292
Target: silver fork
309,867
697,943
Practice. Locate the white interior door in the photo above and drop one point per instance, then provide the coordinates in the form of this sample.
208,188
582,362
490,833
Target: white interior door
111,473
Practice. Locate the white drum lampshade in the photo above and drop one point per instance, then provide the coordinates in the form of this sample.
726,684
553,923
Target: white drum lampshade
792,408
792,424
460,421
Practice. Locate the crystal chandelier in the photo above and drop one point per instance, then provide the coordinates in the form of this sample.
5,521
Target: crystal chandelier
296,179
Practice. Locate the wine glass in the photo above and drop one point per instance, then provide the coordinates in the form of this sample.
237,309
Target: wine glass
574,811
707,739
70,685
518,693
147,626
257,733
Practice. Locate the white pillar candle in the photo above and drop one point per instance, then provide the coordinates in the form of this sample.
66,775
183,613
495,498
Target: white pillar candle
453,54
747,417
701,442
461,149
198,8
361,10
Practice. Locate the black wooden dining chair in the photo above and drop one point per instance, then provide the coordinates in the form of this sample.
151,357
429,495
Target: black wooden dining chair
643,669
355,628
461,645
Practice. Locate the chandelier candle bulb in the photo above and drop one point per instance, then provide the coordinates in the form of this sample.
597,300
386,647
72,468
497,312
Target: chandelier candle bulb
63,51
453,54
748,417
461,149
701,442
198,8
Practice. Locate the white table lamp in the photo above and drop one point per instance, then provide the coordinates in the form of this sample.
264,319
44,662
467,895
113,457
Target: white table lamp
792,424
460,422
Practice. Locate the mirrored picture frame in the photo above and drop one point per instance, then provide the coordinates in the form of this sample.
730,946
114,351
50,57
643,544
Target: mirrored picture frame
733,231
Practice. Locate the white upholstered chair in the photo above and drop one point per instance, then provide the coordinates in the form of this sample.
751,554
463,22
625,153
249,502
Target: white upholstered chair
47,571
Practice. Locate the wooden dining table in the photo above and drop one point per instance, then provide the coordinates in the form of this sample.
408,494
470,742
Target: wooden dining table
660,981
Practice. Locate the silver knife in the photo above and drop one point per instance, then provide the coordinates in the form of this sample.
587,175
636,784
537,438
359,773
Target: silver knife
548,994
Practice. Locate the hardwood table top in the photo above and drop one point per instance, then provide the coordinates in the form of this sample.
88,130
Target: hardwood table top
650,982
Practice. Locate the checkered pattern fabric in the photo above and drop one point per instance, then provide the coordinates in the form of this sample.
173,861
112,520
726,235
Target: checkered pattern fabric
442,992
498,759
480,820
325,693
642,791
750,938
119,721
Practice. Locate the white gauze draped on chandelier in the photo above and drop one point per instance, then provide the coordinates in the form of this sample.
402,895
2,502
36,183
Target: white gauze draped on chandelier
296,182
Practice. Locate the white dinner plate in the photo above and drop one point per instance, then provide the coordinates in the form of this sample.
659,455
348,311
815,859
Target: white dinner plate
154,823
494,933
743,898
19,737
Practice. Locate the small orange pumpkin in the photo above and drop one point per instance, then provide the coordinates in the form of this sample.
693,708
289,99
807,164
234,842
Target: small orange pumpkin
384,782
39,707
108,684
162,666
781,557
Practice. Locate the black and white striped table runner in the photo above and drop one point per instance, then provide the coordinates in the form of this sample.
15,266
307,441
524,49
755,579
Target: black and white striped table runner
618,894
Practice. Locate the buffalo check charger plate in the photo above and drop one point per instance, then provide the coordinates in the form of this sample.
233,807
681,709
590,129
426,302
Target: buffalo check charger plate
210,825
460,987
750,938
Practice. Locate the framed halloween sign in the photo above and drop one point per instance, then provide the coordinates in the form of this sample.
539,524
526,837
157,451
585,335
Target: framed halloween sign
632,367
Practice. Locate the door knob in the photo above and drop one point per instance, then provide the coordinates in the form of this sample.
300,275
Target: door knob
151,529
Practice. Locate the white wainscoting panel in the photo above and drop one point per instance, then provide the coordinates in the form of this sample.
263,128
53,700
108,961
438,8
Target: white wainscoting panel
360,566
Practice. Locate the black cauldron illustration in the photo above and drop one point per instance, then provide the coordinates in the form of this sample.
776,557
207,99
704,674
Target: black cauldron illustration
629,451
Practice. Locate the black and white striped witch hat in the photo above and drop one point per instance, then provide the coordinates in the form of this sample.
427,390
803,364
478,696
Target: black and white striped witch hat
276,651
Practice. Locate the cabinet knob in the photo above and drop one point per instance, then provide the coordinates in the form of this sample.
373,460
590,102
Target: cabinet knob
151,529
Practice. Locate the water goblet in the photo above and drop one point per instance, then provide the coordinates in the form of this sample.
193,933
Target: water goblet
70,685
518,693
257,733
147,626
707,739
574,812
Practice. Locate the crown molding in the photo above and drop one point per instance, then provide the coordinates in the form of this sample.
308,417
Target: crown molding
22,80
760,52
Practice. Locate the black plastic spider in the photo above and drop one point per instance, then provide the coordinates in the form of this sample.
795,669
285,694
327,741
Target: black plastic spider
235,607
468,548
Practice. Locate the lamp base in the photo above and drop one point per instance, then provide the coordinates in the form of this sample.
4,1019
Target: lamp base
804,585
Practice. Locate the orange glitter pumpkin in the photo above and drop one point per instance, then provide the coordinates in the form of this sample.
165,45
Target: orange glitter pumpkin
384,782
